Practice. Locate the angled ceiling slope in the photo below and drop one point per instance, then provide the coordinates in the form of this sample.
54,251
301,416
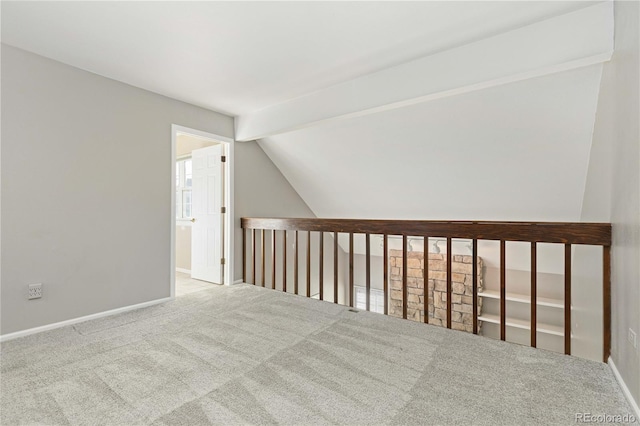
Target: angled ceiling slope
507,140
478,110
240,57
570,41
513,152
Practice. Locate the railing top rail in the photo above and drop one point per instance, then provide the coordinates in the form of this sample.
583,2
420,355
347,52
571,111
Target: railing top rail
542,232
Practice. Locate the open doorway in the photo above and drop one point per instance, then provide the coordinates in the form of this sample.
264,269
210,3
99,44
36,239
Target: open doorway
201,210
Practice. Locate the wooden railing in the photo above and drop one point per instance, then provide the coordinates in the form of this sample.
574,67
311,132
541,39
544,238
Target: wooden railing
568,234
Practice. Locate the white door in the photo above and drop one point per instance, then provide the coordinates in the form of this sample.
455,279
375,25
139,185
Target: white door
207,199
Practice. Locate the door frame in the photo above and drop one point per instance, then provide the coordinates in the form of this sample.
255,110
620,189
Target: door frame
228,201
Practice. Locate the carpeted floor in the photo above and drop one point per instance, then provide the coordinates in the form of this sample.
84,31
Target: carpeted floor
247,355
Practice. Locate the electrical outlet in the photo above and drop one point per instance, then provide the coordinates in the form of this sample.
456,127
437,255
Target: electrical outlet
632,338
35,291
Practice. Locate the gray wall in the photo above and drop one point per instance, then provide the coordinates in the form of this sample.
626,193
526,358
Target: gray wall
260,191
612,191
85,190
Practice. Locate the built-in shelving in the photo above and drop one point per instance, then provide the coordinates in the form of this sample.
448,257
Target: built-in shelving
523,298
523,324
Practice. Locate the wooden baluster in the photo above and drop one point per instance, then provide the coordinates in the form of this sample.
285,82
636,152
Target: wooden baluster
425,279
606,303
368,271
385,272
263,257
284,260
534,294
244,255
253,271
295,265
449,284
335,267
404,276
503,290
567,299
474,281
321,272
309,264
575,233
273,259
351,302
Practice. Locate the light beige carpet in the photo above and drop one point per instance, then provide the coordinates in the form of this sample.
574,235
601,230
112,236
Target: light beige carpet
247,355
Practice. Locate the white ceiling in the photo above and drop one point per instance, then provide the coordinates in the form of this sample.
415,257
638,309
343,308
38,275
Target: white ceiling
513,152
239,57
518,151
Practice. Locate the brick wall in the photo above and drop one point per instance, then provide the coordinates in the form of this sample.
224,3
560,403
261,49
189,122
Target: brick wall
462,290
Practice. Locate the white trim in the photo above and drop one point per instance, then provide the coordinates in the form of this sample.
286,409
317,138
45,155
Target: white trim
35,330
172,242
229,224
183,270
228,195
625,389
238,282
181,187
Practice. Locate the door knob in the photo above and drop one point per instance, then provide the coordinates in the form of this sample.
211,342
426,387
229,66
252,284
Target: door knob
193,219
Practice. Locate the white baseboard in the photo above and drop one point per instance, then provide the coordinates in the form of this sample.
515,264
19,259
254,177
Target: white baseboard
184,271
22,333
238,281
625,389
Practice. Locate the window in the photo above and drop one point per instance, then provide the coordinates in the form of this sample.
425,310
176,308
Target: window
376,303
184,178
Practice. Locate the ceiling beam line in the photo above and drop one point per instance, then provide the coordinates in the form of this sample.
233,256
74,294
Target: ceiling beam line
562,43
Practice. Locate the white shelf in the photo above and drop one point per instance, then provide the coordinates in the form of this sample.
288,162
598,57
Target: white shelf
523,298
523,324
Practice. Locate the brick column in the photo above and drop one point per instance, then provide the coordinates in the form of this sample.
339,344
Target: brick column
462,282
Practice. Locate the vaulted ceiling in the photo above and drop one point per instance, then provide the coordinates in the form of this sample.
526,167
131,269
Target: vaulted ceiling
513,152
441,110
238,57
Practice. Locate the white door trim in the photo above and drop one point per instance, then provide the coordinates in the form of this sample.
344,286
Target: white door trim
228,200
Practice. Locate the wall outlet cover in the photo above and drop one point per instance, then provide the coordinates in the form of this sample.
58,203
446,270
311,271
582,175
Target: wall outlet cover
632,338
35,291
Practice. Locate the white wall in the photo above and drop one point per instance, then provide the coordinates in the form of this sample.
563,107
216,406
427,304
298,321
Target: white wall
445,159
183,245
85,189
612,191
519,151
